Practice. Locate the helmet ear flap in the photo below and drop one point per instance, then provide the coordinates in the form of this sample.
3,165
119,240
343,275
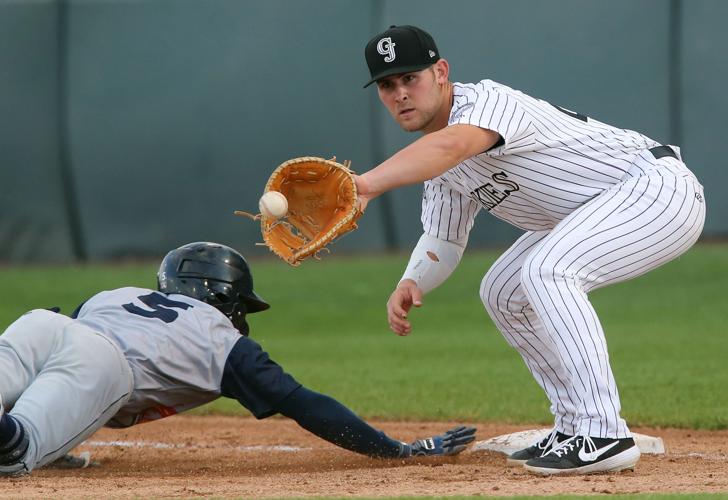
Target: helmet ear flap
237,317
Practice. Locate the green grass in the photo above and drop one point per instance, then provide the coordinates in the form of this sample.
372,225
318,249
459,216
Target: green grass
666,333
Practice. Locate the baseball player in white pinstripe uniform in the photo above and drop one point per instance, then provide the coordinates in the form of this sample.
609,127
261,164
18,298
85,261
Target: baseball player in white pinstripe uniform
598,205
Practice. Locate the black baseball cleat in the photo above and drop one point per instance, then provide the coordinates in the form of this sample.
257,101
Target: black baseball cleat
586,455
538,449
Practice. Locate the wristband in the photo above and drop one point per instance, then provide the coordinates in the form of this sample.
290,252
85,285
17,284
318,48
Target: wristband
433,260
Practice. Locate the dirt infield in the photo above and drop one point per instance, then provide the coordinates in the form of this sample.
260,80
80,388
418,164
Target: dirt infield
231,457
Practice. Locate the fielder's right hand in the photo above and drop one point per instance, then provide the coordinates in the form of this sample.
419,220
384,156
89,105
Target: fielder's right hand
406,295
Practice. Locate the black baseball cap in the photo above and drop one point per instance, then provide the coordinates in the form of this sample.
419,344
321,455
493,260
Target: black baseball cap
400,49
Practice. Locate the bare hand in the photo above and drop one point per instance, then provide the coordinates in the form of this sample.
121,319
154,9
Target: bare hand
406,295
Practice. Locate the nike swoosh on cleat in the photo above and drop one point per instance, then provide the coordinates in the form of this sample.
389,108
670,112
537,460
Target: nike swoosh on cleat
593,455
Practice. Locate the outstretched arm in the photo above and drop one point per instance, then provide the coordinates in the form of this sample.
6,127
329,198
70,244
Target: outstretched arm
262,386
332,421
426,158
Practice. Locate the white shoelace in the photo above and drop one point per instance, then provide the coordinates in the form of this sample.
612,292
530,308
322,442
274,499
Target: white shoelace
549,442
570,444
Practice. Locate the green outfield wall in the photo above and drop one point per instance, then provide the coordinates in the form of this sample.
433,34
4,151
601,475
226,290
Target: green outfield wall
132,126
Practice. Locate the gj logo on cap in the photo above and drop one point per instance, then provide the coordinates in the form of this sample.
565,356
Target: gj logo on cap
416,50
386,48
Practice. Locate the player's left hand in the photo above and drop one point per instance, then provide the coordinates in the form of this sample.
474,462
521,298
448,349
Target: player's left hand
451,442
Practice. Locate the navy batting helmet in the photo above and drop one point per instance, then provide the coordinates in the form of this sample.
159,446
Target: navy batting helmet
214,274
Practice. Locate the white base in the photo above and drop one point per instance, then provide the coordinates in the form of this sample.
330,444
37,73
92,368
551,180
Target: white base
510,443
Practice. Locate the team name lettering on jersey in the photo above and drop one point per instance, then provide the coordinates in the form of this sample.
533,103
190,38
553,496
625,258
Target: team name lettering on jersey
490,195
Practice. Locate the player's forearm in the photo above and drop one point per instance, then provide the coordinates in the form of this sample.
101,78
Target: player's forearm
433,260
428,157
332,421
424,159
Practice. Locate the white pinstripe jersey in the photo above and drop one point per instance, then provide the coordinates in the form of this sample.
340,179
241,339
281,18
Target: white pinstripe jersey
552,161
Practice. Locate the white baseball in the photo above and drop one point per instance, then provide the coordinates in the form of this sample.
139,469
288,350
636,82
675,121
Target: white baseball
273,204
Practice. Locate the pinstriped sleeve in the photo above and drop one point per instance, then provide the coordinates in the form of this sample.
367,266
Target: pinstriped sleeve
446,214
489,108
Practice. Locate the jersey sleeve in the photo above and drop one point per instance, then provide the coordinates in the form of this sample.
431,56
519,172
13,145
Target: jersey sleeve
255,380
486,107
446,214
330,420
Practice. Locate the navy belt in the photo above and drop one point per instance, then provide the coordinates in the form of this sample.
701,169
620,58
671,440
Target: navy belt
662,151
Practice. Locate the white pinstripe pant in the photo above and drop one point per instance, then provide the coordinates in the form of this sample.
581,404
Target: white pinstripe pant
536,292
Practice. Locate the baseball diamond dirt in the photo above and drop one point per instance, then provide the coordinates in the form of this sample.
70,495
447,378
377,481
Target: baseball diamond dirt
237,457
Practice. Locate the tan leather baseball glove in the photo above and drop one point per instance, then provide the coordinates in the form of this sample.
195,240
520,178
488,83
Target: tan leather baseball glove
322,206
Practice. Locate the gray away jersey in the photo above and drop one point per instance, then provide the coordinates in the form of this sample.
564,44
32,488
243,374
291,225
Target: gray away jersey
176,347
552,161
